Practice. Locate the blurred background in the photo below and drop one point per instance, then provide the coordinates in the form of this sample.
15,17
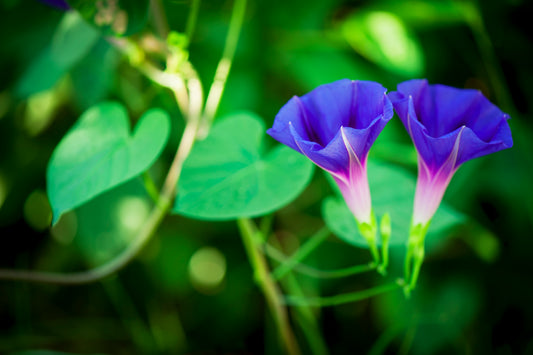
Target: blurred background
192,290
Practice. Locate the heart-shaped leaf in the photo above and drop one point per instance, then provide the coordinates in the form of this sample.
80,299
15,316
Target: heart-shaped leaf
99,153
392,191
227,176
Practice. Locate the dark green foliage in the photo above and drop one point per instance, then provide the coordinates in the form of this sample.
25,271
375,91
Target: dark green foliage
476,285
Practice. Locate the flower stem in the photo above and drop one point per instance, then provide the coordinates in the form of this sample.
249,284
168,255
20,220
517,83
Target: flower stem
310,245
342,298
369,232
417,264
414,256
160,18
385,233
304,316
306,319
150,187
271,291
224,65
192,19
320,274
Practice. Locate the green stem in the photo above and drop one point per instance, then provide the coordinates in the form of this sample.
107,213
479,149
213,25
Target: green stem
304,316
99,272
192,19
417,264
172,81
385,234
160,18
369,232
310,245
414,256
150,187
374,251
343,298
320,274
407,261
306,319
224,65
268,286
265,225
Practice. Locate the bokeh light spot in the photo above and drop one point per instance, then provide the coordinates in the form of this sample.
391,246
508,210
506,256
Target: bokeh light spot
132,213
3,190
65,229
207,269
37,211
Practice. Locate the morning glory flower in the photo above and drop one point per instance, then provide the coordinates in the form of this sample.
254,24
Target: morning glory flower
448,127
335,125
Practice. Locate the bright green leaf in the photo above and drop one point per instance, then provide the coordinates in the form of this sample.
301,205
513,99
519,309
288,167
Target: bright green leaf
392,191
227,176
99,153
383,38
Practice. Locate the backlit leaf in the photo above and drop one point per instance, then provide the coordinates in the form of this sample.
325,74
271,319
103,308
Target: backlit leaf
99,153
227,175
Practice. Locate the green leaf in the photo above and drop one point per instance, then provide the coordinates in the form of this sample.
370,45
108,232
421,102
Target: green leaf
72,40
392,191
383,38
99,153
227,176
119,17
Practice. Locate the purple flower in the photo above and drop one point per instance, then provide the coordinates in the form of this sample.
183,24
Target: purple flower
448,127
335,125
60,4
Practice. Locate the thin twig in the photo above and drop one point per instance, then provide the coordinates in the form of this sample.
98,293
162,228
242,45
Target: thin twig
268,286
342,298
224,65
160,18
192,19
